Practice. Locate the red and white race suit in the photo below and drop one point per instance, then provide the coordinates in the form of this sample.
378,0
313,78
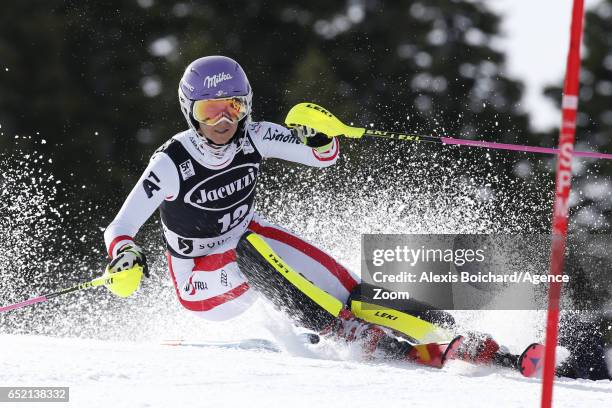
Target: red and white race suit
206,204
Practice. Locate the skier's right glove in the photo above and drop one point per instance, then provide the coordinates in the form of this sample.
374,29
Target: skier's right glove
311,138
128,256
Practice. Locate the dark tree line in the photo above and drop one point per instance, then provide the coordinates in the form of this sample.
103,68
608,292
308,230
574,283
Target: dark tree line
98,81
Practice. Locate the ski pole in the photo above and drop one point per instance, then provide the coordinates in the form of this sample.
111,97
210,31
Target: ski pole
319,118
111,281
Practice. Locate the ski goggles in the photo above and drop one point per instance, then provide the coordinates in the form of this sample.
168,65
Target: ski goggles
212,111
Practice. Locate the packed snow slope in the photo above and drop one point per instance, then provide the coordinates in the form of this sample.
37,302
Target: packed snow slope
109,351
125,374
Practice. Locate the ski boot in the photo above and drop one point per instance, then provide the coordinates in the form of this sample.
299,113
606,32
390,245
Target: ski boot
477,348
381,343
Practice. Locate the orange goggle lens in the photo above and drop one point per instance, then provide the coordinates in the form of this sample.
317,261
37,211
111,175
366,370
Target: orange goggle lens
211,111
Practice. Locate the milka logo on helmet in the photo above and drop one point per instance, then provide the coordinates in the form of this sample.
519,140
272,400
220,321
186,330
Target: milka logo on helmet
213,81
188,85
224,190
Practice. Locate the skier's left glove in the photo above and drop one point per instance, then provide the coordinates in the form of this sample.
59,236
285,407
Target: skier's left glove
128,256
311,138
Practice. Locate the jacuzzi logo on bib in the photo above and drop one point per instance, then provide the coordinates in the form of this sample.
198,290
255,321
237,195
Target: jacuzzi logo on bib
224,190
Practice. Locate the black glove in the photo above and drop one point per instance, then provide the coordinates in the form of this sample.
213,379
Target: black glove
311,138
128,256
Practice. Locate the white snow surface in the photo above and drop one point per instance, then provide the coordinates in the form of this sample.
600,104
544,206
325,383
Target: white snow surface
124,374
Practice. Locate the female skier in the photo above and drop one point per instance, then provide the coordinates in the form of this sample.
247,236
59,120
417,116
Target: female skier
203,181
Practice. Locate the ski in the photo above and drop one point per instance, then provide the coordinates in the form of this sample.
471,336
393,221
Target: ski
481,349
531,361
528,363
244,344
451,349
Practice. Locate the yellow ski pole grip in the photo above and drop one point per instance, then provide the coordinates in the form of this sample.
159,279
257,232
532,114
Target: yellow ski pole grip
124,283
320,119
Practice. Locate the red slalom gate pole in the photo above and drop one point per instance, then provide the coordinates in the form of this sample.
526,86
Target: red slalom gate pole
562,190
